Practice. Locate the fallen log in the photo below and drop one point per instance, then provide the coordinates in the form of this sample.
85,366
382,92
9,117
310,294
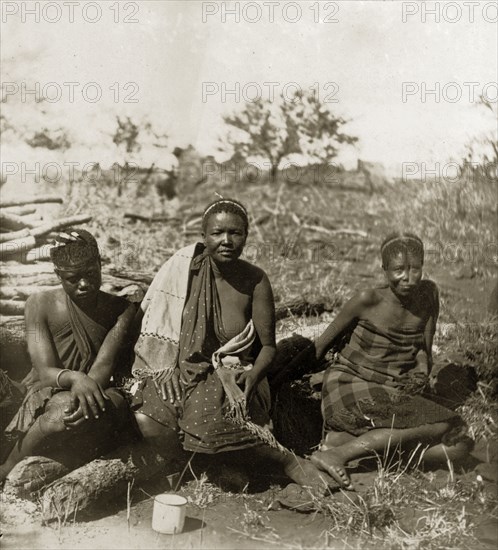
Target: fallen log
11,307
43,229
115,284
13,222
56,225
100,480
42,279
21,292
133,293
14,235
31,474
137,276
141,217
21,210
49,279
37,254
34,219
16,247
14,269
38,199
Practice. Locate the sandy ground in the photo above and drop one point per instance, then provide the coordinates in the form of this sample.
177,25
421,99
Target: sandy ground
226,522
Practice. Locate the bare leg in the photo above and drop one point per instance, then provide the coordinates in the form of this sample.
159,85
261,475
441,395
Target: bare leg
49,436
333,461
163,439
47,424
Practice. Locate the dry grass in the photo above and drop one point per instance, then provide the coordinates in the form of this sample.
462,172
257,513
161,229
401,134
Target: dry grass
306,262
303,262
406,508
201,493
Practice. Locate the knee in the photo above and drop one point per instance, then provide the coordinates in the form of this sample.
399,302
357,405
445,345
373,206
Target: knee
163,438
148,427
51,421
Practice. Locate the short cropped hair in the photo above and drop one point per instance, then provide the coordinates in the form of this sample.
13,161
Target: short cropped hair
73,249
226,206
404,243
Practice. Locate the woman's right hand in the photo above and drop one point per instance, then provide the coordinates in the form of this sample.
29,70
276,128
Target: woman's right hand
86,394
170,388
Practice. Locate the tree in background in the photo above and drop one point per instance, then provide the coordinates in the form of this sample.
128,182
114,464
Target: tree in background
126,134
300,124
138,146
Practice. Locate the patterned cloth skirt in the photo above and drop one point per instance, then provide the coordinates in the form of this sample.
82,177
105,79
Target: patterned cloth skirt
201,420
353,405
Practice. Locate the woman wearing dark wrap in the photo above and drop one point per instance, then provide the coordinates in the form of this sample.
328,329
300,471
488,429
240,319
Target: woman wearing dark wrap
206,343
74,335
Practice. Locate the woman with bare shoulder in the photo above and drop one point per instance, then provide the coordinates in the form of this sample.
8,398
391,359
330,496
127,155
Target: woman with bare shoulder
74,337
374,392
206,343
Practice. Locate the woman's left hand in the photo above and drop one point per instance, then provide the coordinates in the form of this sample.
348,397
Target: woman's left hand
249,380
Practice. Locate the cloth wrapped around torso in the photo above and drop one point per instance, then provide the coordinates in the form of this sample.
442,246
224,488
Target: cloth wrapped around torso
202,417
77,343
373,383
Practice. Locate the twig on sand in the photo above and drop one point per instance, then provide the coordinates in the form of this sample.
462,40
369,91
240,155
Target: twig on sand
344,231
40,199
128,502
270,540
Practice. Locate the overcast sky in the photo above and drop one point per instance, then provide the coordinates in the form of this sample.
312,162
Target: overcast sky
170,54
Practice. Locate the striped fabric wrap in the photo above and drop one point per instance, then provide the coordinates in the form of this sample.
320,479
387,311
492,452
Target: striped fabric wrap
375,382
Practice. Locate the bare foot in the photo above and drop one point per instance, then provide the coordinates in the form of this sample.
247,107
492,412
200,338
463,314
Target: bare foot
331,462
306,474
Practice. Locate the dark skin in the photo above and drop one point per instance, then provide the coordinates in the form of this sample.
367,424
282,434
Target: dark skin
85,399
400,304
245,292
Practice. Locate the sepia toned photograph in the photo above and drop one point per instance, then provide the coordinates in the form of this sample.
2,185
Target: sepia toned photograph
249,274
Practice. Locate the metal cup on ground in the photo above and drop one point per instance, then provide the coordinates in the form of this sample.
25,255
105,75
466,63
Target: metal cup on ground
168,515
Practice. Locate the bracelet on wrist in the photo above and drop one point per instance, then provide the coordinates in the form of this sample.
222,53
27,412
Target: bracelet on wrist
57,378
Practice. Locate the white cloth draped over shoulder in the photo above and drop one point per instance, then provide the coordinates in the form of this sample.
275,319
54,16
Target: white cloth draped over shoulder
156,350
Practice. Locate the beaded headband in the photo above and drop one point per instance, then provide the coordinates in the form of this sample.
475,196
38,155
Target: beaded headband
225,201
401,238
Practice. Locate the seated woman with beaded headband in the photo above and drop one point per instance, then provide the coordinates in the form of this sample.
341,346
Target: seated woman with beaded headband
372,391
73,335
207,341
